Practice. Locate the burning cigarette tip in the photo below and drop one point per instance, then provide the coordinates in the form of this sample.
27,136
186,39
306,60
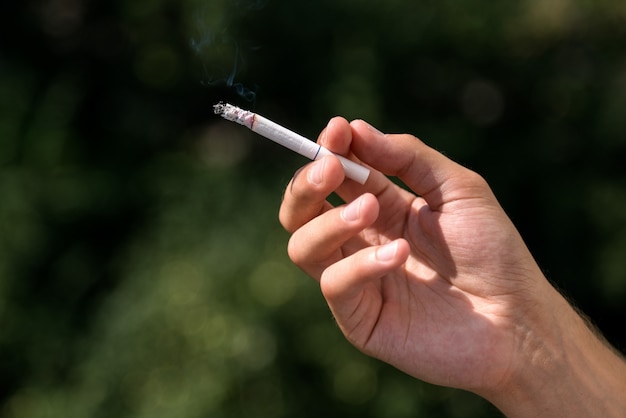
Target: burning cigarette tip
234,114
218,109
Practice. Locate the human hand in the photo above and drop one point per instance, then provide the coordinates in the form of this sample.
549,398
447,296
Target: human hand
435,282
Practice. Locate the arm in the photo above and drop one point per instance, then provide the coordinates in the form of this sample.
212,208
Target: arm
438,282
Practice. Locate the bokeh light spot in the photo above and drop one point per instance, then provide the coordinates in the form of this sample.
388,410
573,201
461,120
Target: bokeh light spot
273,283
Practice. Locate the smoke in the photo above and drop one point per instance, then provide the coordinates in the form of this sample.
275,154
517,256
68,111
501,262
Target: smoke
222,60
218,48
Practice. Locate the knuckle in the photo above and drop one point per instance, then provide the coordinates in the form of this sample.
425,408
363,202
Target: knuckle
479,181
473,183
285,219
476,179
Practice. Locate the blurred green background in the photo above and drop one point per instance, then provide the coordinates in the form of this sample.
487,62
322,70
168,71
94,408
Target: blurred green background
143,271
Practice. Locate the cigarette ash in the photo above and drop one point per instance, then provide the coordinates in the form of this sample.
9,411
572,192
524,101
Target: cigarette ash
234,114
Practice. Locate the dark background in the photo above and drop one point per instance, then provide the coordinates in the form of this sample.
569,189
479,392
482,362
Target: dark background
143,271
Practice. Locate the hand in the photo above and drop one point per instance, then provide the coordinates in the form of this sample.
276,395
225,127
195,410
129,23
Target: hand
435,282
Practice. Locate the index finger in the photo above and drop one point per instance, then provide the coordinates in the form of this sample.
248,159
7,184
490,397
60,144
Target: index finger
305,196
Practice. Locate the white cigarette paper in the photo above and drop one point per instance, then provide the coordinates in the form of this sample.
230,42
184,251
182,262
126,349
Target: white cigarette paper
287,138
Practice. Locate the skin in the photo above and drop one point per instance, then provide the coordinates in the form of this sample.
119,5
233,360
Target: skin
437,281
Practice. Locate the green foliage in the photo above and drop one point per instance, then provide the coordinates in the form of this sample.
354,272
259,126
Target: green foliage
143,271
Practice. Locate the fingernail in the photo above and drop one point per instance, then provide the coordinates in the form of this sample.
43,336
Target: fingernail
314,174
387,252
352,212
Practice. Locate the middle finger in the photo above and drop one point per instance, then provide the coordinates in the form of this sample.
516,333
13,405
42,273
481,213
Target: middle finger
322,241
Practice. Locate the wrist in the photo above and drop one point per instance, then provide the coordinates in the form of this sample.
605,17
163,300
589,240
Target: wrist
561,368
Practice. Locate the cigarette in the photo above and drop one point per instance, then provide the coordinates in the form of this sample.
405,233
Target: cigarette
288,139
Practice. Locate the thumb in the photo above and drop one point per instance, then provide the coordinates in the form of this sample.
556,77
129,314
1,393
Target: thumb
426,171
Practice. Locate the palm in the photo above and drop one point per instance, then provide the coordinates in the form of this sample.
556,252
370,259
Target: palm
435,304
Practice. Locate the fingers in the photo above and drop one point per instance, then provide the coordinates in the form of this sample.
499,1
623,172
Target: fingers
352,289
338,137
427,172
322,241
305,196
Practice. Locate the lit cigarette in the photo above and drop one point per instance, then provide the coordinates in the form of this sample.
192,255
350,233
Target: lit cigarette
287,138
